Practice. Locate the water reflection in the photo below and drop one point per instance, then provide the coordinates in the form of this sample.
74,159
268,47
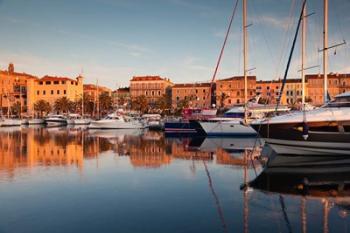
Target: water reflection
38,146
314,181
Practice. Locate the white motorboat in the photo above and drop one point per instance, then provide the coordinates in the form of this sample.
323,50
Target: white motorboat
325,130
10,122
35,121
114,121
224,128
56,120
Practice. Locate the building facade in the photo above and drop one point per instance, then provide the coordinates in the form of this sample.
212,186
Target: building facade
152,87
198,95
230,91
337,83
121,97
50,88
94,90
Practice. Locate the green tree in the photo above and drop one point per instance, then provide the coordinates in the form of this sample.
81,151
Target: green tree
105,102
42,107
140,103
64,105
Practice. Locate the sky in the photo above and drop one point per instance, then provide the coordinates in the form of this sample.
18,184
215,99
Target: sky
113,40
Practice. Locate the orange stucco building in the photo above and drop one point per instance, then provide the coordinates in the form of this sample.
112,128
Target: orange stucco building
198,94
152,87
230,91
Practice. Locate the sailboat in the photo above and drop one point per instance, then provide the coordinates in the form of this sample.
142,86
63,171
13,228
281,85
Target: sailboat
10,121
233,127
322,131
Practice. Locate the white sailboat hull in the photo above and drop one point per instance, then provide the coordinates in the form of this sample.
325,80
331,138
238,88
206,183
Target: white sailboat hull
35,121
11,122
115,124
227,128
308,147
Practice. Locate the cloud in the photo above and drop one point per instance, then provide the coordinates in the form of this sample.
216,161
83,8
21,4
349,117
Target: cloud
268,20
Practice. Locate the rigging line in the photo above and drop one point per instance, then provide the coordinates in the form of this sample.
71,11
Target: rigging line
223,48
217,202
290,57
285,37
285,215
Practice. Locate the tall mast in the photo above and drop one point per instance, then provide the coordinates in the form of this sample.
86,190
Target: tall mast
303,37
325,50
245,58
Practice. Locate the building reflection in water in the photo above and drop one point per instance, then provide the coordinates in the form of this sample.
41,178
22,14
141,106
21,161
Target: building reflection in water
38,146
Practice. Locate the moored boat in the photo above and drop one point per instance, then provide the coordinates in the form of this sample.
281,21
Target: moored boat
56,120
325,130
115,121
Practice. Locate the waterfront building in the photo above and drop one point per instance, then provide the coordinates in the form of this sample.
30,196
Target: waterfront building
121,97
92,90
337,83
51,88
268,90
230,91
13,88
196,94
152,87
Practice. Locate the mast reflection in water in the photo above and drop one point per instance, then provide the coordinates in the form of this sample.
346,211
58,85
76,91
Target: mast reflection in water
78,180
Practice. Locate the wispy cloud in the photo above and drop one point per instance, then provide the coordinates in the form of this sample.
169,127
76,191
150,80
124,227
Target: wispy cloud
276,22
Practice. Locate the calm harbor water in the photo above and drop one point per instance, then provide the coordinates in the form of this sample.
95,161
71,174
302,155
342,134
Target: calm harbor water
75,180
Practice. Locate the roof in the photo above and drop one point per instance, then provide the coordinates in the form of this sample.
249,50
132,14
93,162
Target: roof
18,74
330,76
148,78
55,78
237,78
183,85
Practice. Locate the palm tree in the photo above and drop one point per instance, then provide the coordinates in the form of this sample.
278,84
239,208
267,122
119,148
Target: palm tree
42,106
223,97
64,105
140,103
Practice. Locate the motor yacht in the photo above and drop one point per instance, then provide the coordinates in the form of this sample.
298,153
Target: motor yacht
325,130
56,120
115,121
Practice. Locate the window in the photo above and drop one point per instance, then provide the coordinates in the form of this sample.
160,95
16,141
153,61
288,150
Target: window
238,101
159,93
44,92
71,82
177,98
37,92
48,82
196,91
152,93
40,83
64,92
63,82
146,93
55,82
229,101
51,92
238,93
203,90
58,92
